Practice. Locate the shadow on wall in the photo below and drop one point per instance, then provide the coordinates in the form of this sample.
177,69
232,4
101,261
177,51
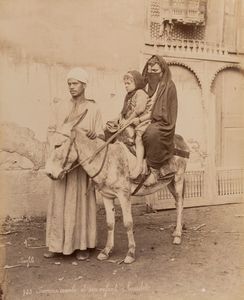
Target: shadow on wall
24,189
20,149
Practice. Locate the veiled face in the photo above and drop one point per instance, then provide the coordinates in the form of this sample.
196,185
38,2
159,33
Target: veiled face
154,68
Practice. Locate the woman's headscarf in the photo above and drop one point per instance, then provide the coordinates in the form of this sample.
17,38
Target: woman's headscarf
139,84
157,59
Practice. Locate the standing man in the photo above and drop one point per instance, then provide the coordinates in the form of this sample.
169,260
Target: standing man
158,138
71,216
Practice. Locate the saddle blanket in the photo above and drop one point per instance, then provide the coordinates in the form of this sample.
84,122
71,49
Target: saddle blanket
168,169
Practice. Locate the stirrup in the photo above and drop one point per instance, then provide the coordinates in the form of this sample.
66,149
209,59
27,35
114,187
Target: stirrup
143,179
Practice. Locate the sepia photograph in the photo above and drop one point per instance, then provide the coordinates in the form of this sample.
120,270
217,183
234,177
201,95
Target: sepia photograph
122,149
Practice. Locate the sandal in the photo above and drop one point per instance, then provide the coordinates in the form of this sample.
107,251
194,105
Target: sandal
82,255
50,254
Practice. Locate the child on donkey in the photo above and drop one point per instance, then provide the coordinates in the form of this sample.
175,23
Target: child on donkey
137,110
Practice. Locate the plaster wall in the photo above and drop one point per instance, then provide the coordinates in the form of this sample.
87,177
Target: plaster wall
41,40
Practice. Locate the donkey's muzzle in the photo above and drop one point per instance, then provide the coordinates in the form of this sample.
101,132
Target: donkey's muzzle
51,176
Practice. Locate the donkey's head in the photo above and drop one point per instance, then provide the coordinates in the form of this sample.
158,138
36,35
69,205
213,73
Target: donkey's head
62,149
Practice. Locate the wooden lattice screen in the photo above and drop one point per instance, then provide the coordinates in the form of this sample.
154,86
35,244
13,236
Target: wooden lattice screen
187,17
230,182
194,186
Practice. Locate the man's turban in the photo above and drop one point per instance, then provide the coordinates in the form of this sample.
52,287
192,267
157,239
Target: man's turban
78,74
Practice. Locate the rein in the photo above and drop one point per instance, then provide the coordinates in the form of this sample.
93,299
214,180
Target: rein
102,165
72,142
81,162
91,158
68,152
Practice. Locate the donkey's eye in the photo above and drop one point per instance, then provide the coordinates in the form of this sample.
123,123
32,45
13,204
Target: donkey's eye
57,146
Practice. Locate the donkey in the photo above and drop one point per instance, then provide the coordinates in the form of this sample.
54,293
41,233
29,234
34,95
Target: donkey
110,171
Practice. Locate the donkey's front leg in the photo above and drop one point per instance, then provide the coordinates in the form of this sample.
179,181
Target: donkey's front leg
177,189
128,223
110,212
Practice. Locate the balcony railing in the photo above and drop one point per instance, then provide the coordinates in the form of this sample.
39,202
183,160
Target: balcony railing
188,46
185,16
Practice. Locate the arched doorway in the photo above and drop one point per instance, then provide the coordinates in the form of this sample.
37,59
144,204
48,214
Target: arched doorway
190,120
190,124
228,88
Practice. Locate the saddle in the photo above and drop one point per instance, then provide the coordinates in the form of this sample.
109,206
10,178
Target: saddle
150,176
154,176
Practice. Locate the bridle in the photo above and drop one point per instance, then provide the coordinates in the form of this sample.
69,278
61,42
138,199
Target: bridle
73,143
87,159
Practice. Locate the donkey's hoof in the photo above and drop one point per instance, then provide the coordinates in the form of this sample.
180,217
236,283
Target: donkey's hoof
176,233
177,240
102,256
130,258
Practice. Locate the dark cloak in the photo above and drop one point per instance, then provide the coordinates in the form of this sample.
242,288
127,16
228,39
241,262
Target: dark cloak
158,138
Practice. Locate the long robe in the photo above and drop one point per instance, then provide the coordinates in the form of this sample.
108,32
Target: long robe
158,138
71,215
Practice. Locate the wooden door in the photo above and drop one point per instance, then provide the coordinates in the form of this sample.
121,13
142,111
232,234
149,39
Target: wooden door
229,92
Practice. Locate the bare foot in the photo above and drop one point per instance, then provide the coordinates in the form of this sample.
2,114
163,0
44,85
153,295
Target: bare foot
152,178
136,172
144,168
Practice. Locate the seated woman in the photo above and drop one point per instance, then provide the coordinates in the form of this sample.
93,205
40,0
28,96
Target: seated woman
158,138
136,109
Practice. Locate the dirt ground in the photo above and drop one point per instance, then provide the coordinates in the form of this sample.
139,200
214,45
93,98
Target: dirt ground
209,264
